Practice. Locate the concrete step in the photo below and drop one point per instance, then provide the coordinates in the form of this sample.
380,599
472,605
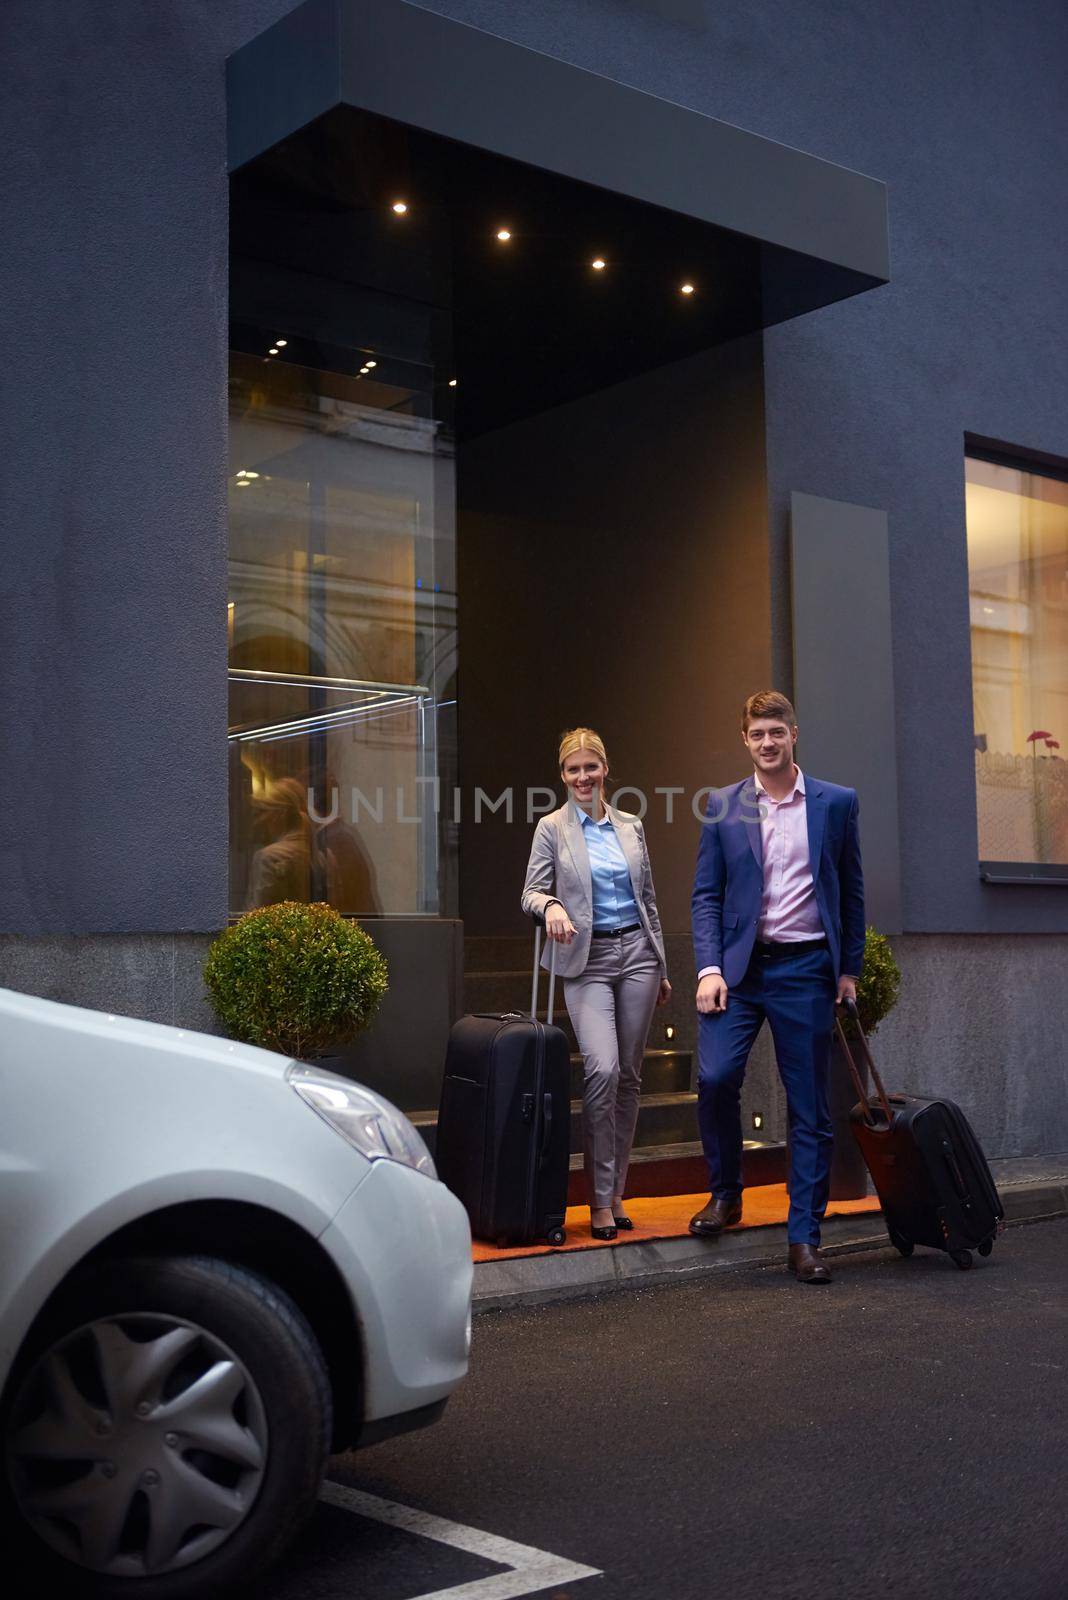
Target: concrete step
499,952
663,1119
663,1072
680,1169
494,993
507,990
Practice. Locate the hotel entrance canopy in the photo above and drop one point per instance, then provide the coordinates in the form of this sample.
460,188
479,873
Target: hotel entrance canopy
802,232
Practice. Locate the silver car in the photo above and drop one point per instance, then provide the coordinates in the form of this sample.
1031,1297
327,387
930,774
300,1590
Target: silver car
216,1267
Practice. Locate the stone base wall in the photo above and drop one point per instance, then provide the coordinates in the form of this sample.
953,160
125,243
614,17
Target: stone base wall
982,1019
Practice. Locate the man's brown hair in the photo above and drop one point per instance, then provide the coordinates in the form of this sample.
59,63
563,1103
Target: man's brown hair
768,703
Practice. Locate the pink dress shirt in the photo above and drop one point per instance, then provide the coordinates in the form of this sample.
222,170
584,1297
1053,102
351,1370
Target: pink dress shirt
788,910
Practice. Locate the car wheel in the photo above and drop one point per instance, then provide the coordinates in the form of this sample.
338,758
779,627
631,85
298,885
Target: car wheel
166,1434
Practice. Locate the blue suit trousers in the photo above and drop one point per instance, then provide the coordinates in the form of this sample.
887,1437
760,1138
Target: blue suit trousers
796,994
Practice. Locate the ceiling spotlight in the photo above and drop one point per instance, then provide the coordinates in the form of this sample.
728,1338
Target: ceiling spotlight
242,473
242,483
504,234
273,351
281,342
251,474
686,288
370,363
598,263
363,370
400,207
452,383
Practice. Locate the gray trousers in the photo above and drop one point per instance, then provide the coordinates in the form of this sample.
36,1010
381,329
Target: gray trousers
611,1006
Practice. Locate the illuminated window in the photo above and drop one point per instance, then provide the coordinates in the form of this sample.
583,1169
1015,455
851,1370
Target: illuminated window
1018,586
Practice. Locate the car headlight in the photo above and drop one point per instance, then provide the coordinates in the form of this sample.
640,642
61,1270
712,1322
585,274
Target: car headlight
370,1124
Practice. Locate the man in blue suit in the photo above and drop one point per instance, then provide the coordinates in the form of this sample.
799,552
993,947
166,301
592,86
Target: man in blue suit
778,929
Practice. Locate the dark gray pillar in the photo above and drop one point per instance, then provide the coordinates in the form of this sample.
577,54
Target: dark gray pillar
844,695
844,676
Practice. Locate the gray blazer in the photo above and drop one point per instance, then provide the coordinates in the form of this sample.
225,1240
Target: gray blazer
559,869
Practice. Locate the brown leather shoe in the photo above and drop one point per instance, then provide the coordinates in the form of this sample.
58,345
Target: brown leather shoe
713,1218
807,1265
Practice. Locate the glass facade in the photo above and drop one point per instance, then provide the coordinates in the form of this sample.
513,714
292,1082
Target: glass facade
342,597
1018,585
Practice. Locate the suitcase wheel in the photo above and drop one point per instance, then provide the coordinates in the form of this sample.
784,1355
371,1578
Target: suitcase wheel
556,1236
900,1243
986,1247
963,1258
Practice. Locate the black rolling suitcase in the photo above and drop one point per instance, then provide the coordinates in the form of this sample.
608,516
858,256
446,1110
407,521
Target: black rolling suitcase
504,1127
928,1167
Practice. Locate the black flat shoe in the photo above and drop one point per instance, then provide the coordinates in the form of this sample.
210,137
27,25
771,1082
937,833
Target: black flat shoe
624,1224
603,1233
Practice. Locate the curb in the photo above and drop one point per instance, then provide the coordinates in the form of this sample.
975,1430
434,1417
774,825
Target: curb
576,1274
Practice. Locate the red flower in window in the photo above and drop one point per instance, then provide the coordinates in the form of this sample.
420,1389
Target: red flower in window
1053,744
1039,733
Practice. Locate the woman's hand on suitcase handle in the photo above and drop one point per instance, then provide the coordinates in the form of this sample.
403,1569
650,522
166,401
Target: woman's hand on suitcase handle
558,924
847,991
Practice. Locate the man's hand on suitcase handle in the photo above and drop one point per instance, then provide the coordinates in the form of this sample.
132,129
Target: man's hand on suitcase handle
558,924
847,992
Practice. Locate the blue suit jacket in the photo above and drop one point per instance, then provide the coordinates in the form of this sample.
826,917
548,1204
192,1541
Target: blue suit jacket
729,886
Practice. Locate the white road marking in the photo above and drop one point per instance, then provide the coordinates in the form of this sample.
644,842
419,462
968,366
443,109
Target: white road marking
531,1569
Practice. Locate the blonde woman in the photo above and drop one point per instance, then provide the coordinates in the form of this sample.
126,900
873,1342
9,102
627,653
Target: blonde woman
589,878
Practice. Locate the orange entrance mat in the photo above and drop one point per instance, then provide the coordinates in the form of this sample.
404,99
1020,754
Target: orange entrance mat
668,1218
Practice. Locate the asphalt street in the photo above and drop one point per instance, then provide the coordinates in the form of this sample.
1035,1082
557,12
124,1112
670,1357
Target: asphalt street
900,1433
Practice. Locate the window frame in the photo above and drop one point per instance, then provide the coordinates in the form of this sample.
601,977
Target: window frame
1018,458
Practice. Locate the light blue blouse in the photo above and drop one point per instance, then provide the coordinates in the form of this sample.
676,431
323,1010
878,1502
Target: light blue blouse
614,905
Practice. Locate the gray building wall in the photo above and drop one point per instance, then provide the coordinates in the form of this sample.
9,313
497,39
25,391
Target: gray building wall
961,110
113,290
112,431
113,299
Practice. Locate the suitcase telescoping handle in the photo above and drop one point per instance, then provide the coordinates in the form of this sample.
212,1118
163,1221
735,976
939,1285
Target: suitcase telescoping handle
539,923
851,1007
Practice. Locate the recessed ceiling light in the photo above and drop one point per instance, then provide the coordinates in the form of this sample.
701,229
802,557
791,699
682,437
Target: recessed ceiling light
400,207
364,369
452,383
370,363
273,351
687,288
281,342
598,263
242,473
504,234
242,483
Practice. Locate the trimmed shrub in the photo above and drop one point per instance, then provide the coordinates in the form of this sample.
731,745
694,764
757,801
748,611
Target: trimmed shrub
299,979
879,982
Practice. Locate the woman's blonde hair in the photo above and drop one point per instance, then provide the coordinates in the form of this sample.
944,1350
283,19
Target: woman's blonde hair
581,739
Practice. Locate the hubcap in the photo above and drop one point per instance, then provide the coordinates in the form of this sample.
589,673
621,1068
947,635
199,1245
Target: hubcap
137,1445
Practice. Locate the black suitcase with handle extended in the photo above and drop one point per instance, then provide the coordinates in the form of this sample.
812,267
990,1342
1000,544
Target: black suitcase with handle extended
928,1167
504,1126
